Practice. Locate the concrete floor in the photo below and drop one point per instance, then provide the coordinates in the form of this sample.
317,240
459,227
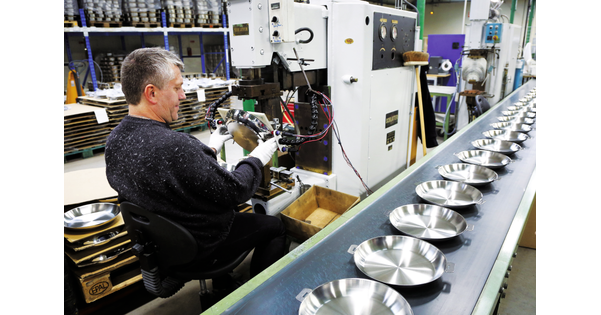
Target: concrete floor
521,293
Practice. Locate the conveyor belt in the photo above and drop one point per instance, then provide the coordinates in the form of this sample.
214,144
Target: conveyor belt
325,258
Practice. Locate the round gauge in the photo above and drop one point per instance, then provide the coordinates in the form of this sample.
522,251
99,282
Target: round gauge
383,32
394,32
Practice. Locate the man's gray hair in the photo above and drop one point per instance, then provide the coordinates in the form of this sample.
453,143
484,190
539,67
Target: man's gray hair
147,66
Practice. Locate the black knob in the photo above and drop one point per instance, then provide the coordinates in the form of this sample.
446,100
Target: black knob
276,34
274,19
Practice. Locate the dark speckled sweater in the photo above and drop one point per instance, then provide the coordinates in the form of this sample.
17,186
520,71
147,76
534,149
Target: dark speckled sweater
177,176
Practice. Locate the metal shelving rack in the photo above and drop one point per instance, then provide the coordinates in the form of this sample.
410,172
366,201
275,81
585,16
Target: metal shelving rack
136,31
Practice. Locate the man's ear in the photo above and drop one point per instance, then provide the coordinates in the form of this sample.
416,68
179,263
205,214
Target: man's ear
150,93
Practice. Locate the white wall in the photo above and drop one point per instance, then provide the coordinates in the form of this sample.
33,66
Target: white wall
447,18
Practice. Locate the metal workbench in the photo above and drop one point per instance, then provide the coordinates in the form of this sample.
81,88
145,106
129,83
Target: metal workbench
480,257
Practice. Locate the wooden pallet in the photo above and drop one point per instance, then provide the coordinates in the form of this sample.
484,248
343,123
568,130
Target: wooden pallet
70,23
105,24
83,153
204,25
104,280
144,24
180,25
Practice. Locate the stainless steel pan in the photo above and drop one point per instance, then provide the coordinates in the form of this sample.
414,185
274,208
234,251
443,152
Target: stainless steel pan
246,128
400,260
474,175
449,194
500,146
428,222
515,108
91,216
517,120
507,135
354,296
512,127
484,158
518,113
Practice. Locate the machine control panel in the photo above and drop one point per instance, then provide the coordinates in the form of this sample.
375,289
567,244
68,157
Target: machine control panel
493,33
393,35
281,21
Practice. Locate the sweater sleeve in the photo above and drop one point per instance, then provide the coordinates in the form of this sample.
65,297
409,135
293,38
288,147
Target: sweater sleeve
198,172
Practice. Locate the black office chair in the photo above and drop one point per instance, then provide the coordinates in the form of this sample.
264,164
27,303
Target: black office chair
165,250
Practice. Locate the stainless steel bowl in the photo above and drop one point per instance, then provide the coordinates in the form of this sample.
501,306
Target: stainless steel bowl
245,128
474,175
517,120
354,296
427,222
449,194
484,158
500,146
507,135
400,260
512,126
91,216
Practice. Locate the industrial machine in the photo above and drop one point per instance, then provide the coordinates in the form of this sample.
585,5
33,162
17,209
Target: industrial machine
489,58
342,62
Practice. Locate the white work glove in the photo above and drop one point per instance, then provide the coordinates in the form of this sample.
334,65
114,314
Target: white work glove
265,150
218,138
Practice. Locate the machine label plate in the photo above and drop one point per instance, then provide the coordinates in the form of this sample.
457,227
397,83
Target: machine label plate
390,138
240,29
392,118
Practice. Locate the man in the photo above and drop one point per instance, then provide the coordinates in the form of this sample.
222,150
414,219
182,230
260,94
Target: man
177,176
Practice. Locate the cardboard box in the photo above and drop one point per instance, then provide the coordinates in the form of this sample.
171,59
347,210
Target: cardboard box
314,210
529,234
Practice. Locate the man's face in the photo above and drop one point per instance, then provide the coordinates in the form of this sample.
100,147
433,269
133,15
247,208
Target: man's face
169,97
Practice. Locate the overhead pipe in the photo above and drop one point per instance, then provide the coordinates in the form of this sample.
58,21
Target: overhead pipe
513,5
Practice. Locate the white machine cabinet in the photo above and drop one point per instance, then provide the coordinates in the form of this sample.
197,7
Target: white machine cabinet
361,46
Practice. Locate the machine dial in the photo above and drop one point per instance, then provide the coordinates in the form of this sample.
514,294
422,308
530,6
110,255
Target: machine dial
394,33
383,32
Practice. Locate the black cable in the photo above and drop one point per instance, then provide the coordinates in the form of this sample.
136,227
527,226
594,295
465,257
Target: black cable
305,41
210,114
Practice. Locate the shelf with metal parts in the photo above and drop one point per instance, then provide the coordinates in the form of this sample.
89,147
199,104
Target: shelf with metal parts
163,31
481,257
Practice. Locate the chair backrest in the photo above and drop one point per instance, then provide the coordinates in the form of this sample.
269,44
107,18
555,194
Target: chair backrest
174,244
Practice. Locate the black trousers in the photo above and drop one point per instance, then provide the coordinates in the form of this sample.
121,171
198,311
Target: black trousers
265,233
429,117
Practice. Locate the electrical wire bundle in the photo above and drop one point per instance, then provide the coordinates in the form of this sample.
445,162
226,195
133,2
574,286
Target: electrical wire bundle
211,109
327,108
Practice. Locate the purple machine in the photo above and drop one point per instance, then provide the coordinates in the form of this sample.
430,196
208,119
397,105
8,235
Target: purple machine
446,46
